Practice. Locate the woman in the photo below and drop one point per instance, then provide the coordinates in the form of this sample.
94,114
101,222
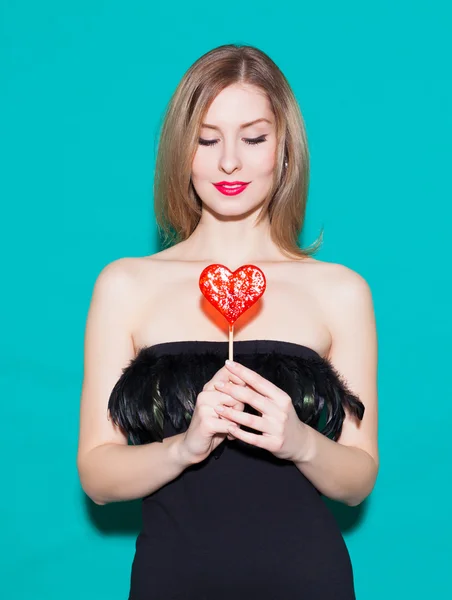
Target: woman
231,460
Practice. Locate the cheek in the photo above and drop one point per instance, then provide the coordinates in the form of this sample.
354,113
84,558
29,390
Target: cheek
264,162
201,165
264,157
268,163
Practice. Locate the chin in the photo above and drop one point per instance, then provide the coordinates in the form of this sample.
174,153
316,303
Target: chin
232,207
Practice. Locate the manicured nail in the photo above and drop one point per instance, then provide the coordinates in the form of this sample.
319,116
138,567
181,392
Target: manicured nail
219,384
220,408
230,363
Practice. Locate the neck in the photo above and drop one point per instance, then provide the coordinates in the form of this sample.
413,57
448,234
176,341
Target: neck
232,241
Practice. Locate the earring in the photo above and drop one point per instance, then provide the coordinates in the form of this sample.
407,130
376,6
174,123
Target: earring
285,163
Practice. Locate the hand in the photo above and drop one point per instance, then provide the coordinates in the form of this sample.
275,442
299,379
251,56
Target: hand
283,433
208,428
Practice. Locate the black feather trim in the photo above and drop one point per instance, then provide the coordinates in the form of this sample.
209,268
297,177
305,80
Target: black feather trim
156,387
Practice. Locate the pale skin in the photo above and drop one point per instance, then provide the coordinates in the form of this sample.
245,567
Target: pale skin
154,299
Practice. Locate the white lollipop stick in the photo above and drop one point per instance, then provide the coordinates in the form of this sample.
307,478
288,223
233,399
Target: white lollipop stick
231,342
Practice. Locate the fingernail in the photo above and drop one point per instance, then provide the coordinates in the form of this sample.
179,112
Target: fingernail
219,384
219,408
230,363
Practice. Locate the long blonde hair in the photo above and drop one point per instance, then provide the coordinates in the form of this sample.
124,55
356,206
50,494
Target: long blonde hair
176,204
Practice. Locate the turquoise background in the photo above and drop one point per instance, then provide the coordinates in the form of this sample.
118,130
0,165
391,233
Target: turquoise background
83,88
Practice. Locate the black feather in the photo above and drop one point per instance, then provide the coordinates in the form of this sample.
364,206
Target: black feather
161,387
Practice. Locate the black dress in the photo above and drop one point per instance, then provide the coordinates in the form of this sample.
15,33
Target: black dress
242,524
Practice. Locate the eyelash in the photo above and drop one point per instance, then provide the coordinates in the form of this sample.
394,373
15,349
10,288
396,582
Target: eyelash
253,141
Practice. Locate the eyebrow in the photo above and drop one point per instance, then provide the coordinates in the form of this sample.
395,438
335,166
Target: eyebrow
243,126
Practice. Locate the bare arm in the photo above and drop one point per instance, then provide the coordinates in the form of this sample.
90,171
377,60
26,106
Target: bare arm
346,470
109,469
339,472
113,472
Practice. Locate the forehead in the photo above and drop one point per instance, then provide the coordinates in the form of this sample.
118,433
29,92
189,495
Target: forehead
237,104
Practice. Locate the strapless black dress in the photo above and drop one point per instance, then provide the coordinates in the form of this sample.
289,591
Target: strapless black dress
242,524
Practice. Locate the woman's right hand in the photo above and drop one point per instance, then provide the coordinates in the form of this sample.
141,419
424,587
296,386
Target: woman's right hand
207,428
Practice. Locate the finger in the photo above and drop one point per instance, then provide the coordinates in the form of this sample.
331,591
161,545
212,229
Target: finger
229,436
249,396
261,441
230,377
232,402
223,399
213,397
255,422
256,381
223,375
219,425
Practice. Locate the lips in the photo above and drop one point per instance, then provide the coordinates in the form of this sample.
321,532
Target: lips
231,188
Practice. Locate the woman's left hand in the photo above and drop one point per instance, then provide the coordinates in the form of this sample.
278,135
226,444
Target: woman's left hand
283,434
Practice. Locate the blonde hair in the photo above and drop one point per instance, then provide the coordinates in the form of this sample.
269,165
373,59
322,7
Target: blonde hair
177,206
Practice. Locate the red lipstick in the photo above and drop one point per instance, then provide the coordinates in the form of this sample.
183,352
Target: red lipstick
231,188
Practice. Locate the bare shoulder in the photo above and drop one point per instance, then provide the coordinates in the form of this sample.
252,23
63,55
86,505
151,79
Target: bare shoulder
336,281
119,287
124,270
126,274
135,281
343,295
349,290
118,279
350,294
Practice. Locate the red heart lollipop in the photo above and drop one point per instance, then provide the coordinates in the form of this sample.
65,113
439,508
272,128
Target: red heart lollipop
232,293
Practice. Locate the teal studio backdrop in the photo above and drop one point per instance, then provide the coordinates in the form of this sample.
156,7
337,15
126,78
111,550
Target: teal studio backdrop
83,89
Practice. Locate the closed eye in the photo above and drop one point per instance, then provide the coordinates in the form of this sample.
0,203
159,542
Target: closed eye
252,141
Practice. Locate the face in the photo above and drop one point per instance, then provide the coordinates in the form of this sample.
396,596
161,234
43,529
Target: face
232,150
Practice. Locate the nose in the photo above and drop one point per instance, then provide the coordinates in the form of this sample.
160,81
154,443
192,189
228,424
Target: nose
230,160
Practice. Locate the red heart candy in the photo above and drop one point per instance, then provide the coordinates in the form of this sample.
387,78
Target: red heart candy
232,293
